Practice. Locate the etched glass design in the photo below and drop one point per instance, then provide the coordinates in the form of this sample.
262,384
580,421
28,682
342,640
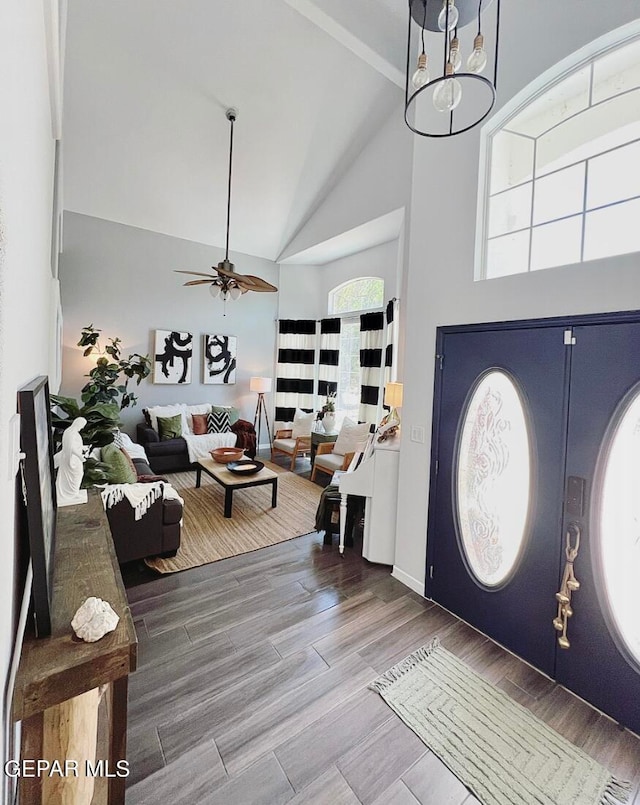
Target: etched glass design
493,479
619,538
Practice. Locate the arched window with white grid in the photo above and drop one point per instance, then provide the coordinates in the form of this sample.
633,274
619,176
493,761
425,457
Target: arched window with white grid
562,173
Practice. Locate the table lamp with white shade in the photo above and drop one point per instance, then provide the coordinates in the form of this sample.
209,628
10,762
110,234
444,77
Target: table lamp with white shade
261,385
393,398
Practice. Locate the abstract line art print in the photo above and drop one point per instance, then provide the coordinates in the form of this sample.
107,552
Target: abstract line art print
172,357
219,359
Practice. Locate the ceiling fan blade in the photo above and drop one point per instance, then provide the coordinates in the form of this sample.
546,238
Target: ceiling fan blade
251,281
246,286
226,273
259,284
196,273
199,282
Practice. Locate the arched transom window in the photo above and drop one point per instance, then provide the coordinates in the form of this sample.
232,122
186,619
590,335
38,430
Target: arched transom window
563,173
364,293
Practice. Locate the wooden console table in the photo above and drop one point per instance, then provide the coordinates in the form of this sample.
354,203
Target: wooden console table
71,696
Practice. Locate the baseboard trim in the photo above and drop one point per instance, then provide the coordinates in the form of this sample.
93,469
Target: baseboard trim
415,584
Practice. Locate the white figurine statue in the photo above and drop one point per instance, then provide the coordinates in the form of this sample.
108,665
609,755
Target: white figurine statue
70,464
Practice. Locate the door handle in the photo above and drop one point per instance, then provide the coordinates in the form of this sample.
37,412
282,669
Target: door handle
569,584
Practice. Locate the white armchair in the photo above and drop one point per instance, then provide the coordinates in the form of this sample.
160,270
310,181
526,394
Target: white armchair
328,461
285,443
337,456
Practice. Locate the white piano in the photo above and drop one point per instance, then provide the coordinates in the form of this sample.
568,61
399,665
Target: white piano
376,479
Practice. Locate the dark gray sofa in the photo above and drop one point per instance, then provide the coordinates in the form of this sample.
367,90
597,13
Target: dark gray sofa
171,455
157,533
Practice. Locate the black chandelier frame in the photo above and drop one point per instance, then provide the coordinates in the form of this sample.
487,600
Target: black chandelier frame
418,12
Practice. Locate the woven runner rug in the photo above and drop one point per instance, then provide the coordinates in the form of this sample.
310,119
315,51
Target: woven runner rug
208,536
496,747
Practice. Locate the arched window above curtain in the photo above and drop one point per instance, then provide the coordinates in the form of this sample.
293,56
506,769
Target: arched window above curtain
363,293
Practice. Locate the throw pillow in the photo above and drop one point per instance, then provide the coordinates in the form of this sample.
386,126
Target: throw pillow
199,424
169,427
167,411
352,437
218,422
121,468
201,408
302,423
234,414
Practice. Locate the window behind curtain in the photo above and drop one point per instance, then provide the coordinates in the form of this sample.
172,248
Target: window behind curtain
353,297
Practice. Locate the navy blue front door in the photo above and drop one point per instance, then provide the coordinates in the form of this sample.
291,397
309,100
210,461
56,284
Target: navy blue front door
518,609
602,663
567,398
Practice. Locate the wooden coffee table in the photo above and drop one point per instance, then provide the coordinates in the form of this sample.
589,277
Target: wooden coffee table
230,481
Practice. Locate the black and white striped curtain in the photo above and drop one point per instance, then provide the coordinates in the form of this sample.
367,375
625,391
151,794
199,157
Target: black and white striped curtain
391,338
372,349
295,368
329,358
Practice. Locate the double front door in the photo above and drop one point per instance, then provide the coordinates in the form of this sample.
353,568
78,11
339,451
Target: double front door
534,523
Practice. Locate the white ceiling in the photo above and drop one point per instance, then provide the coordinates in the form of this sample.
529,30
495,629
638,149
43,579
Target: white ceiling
147,83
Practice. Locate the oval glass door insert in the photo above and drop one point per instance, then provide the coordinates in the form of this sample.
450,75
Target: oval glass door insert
493,479
619,538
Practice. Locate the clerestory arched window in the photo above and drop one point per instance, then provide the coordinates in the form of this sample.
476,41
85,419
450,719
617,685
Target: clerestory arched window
354,296
562,174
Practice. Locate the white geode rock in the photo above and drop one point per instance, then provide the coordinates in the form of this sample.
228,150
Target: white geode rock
94,619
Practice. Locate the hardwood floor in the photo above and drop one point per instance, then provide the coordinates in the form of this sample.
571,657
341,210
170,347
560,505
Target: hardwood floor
252,686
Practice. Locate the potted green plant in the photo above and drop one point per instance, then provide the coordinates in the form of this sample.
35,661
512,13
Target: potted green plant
102,398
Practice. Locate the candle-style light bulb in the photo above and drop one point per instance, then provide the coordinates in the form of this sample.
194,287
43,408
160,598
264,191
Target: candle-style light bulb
454,54
448,93
421,75
453,16
477,61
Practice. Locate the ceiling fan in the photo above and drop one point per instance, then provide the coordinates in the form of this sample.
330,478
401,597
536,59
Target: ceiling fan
226,282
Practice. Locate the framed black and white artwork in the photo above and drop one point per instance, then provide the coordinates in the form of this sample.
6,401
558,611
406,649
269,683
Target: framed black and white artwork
173,354
39,493
219,359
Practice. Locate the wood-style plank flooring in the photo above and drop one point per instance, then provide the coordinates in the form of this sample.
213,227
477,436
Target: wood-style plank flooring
252,686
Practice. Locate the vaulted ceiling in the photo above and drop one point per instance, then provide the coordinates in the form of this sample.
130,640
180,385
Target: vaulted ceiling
147,83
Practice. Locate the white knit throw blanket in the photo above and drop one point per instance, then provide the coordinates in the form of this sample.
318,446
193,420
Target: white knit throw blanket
199,446
140,496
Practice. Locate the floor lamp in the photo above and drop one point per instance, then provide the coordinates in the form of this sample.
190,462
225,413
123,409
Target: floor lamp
261,385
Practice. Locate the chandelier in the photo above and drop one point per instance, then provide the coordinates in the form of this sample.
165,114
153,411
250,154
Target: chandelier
447,90
226,282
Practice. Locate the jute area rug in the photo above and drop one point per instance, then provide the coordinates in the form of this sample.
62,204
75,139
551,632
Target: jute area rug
496,747
207,536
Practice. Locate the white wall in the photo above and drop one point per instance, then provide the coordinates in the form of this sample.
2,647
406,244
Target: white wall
121,279
440,282
377,182
301,292
26,171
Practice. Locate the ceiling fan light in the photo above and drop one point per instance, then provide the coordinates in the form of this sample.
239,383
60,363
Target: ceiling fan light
214,290
235,293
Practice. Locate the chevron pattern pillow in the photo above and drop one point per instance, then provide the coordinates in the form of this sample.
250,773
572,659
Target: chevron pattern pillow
218,422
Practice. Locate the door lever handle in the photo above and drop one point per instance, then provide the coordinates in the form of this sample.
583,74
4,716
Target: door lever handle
569,584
